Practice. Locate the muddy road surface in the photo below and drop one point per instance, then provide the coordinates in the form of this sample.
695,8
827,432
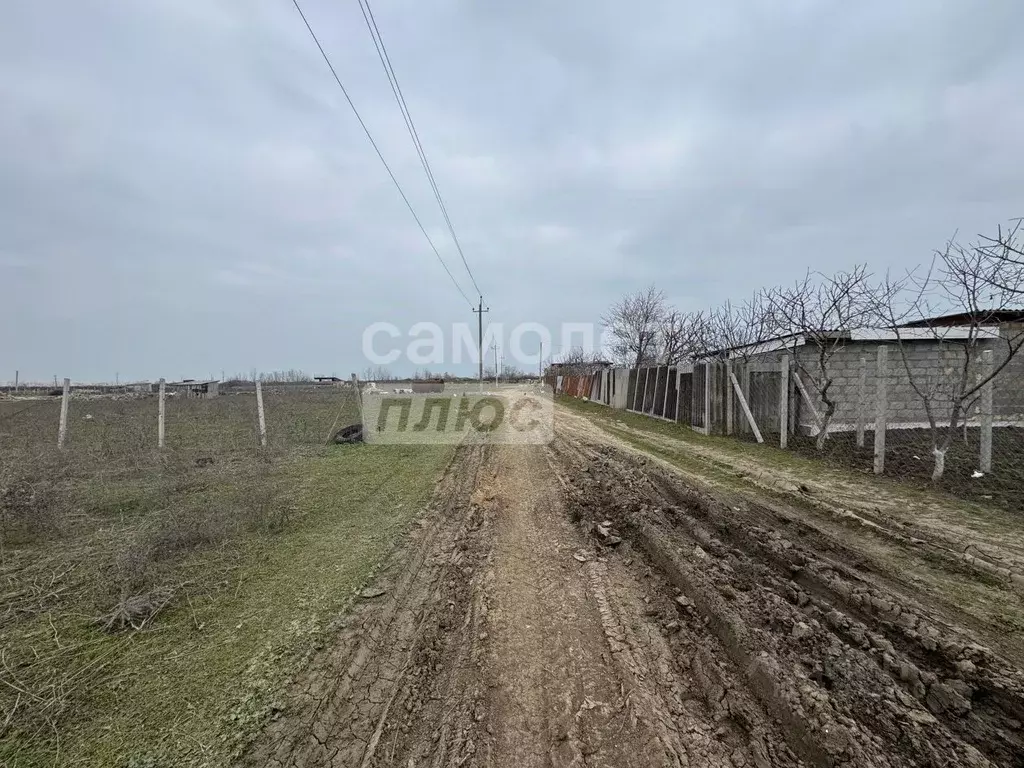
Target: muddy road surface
577,604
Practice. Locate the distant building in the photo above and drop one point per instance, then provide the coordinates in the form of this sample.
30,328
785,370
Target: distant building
195,388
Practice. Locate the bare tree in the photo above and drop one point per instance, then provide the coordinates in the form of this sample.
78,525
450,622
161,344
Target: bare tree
672,337
377,373
737,330
683,336
1005,255
512,372
291,376
821,310
976,283
635,323
579,362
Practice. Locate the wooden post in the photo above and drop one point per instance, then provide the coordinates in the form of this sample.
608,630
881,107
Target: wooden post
259,410
986,413
161,419
707,397
745,407
784,401
881,406
728,398
62,432
862,401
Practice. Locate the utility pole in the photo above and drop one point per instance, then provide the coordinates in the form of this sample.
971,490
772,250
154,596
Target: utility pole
494,346
480,337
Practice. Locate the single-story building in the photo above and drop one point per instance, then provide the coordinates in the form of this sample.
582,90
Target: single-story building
922,360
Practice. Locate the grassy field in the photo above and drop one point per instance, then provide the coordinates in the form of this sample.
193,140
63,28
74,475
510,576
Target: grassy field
153,604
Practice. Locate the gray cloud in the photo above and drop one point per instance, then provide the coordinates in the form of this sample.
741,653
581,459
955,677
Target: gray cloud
183,190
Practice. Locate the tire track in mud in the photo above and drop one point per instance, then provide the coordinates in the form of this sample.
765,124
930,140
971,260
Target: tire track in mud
999,560
576,605
580,661
856,674
401,662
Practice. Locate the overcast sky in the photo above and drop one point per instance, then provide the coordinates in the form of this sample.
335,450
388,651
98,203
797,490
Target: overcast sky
183,189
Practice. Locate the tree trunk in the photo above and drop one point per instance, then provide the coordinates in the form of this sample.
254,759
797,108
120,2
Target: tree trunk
940,451
940,463
819,442
826,419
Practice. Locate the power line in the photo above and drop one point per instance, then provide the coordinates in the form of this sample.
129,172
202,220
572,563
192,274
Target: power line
396,89
377,150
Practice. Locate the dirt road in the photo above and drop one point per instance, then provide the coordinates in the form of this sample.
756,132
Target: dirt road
578,604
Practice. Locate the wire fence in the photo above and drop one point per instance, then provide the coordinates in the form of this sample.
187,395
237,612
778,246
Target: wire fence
909,417
119,427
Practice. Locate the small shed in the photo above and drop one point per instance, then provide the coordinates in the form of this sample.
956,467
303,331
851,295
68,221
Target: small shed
208,388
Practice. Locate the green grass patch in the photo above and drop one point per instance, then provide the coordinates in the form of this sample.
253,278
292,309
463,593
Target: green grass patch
197,683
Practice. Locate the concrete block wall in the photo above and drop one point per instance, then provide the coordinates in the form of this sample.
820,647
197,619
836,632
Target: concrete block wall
1008,394
935,367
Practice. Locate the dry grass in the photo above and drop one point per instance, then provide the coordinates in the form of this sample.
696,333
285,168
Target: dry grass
113,554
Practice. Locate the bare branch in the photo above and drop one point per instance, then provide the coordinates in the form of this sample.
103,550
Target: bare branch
635,323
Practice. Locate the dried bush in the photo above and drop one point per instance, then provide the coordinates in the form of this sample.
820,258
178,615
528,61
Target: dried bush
268,512
33,501
188,528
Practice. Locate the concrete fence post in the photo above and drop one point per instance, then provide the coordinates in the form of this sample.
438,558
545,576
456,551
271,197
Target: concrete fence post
784,401
679,390
259,410
728,399
654,391
745,389
862,402
881,407
707,398
664,400
985,459
161,419
62,432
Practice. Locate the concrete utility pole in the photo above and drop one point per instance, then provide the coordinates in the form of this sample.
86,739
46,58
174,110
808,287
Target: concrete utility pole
480,337
63,431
